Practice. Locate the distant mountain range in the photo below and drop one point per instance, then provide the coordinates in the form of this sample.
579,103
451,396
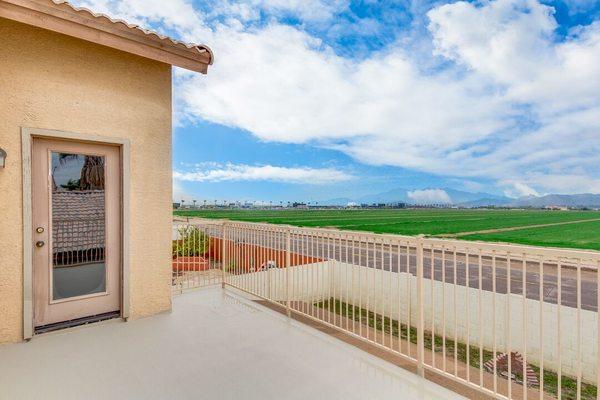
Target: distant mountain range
469,199
564,200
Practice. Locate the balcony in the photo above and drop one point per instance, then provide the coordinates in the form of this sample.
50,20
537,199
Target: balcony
267,311
216,344
507,321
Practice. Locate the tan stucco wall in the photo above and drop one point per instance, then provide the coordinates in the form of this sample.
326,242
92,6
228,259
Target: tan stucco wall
52,81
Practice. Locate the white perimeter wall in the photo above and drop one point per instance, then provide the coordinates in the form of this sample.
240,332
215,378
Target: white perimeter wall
475,314
309,282
470,314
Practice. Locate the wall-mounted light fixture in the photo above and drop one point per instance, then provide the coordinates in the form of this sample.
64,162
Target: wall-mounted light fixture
2,158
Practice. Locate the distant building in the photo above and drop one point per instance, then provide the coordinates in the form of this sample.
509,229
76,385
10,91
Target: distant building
176,206
557,208
301,206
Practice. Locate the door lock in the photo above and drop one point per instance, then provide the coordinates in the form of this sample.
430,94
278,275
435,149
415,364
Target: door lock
40,243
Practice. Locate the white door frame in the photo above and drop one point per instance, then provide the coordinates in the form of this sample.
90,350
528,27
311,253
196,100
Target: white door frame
27,136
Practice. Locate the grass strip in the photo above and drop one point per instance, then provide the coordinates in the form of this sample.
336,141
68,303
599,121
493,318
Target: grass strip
383,324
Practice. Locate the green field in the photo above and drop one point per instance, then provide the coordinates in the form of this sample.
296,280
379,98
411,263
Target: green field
584,235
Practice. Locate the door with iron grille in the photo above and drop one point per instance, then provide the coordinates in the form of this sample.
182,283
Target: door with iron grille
76,205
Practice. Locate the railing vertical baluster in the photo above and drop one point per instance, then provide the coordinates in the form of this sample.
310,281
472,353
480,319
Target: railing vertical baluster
444,366
480,317
268,253
354,294
409,297
360,247
178,262
541,295
390,298
303,272
346,264
494,325
454,303
399,303
578,330
598,330
368,290
372,300
432,297
330,288
382,274
288,267
379,308
313,287
420,309
468,307
223,253
524,321
508,328
559,328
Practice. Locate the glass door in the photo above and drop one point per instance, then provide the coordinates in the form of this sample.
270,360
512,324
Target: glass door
78,225
76,205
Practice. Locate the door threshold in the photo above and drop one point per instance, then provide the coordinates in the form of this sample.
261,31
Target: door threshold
77,322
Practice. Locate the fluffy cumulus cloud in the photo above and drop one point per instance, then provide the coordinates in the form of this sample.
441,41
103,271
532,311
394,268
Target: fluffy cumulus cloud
429,196
241,172
491,90
516,189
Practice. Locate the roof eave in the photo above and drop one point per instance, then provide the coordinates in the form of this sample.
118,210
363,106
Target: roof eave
82,24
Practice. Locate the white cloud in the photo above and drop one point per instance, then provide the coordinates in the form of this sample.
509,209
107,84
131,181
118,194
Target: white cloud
307,10
179,15
179,193
509,101
512,43
429,196
517,189
506,39
241,172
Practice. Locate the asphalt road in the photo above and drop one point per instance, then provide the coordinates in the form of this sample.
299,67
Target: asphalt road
466,270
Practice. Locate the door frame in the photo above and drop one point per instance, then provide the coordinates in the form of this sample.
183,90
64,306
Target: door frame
27,136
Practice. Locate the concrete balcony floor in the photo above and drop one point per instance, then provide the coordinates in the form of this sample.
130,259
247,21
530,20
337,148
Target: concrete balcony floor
216,344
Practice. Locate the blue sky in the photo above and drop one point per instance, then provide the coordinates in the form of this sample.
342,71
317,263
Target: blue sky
318,99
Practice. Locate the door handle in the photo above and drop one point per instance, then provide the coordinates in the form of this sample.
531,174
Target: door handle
40,243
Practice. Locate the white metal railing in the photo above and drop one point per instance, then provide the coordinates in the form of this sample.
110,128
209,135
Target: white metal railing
196,255
511,321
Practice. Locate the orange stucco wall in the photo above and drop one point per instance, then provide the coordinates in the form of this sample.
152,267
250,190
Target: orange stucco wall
244,257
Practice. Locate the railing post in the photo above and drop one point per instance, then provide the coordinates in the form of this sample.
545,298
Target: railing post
288,245
223,253
182,233
420,309
269,280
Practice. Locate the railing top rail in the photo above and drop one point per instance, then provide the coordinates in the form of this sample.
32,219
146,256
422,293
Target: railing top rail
513,249
534,253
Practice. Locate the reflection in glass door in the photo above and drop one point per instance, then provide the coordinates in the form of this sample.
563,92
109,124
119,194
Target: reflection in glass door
78,225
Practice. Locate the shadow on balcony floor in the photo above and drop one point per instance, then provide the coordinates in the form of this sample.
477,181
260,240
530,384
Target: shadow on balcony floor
215,344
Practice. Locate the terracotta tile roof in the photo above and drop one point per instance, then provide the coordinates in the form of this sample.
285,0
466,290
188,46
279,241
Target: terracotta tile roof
78,222
77,205
63,17
199,47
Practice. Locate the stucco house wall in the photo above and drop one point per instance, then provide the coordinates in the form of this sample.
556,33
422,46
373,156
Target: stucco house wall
57,82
